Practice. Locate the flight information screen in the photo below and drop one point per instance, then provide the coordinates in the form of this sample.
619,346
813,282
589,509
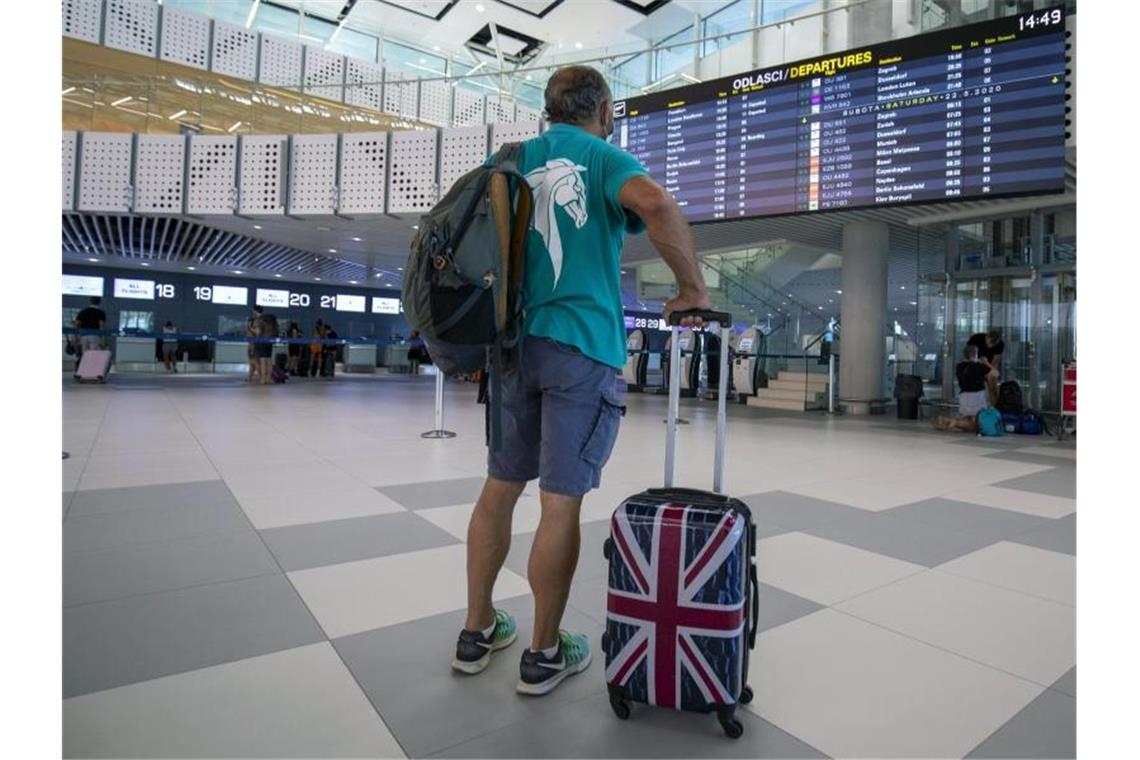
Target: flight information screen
973,112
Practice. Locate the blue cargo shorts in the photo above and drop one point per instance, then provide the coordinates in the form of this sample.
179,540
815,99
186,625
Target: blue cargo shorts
560,416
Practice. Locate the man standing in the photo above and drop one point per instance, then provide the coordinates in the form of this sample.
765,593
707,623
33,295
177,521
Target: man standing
561,408
990,349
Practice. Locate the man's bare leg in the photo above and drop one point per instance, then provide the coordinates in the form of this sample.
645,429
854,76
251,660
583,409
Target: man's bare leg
488,541
553,559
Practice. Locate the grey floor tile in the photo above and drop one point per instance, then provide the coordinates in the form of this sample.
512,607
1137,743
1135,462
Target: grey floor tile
591,564
1030,458
1067,684
114,643
405,671
1046,727
108,530
780,509
588,728
777,607
902,537
1005,443
986,522
105,574
1060,481
1061,536
298,547
437,493
104,500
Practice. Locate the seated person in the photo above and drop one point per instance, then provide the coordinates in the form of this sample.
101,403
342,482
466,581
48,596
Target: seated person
974,376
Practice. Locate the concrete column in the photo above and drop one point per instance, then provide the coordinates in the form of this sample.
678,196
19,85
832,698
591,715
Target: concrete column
863,312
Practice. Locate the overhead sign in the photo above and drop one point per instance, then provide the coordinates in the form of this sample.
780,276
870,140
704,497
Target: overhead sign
79,285
385,305
350,303
274,299
231,295
140,289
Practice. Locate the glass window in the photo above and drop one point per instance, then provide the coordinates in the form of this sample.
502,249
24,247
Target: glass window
675,58
284,22
737,15
414,62
630,75
316,31
139,321
354,44
231,325
778,10
69,314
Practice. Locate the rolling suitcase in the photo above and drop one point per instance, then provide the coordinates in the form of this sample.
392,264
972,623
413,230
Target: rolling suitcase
94,366
681,608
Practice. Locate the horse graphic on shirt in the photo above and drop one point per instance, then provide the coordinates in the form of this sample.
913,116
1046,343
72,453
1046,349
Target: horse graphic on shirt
556,185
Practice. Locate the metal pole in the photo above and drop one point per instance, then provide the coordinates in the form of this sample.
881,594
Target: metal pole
438,432
674,404
721,414
831,384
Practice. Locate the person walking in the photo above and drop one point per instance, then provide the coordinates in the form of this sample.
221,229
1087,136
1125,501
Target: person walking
561,409
294,334
170,347
91,318
315,349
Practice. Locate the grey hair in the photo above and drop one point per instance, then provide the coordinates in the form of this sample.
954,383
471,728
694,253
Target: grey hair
575,94
971,352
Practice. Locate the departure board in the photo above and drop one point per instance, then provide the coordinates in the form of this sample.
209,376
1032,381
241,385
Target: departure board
973,112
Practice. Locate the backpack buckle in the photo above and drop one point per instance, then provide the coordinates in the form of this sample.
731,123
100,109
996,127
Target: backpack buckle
439,262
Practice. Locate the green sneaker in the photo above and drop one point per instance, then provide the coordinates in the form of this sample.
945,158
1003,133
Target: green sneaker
539,674
473,652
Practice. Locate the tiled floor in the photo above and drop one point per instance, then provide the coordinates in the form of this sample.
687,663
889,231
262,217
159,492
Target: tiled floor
278,572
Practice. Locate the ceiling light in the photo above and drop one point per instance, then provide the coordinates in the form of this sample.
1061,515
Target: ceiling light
902,287
257,226
577,45
177,114
191,268
332,250
318,279
94,260
277,275
479,7
358,240
435,48
415,226
322,228
352,282
144,264
379,275
399,269
914,303
234,126
120,101
237,271
839,292
69,89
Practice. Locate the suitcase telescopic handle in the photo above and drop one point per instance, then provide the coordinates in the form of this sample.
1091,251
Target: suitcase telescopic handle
724,320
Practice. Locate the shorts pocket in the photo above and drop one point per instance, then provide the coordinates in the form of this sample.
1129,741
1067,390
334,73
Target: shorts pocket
600,443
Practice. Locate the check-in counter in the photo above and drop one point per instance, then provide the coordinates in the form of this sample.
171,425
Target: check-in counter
134,353
396,358
231,356
360,357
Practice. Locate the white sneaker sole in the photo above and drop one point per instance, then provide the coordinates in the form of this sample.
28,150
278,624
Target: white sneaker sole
478,666
547,686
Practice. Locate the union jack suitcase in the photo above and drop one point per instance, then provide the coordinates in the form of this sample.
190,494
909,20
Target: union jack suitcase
681,609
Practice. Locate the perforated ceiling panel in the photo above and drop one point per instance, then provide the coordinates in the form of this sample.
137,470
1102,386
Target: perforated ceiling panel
69,150
364,85
435,103
411,178
280,62
105,171
234,51
505,133
261,179
160,171
324,74
132,25
461,149
469,108
185,38
363,169
211,175
401,95
312,174
499,110
83,19
526,113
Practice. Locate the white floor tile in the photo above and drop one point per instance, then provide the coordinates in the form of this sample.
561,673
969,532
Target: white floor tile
1039,504
852,689
1060,452
1029,637
1049,575
359,596
338,501
297,703
454,519
150,477
825,571
871,496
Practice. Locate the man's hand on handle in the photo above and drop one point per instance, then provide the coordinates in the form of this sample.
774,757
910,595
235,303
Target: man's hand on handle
686,301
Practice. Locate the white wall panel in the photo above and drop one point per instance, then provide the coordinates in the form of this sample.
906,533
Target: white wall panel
363,172
517,132
461,149
132,25
83,19
160,171
499,110
364,84
412,171
280,62
324,74
185,38
211,175
312,174
261,174
234,51
70,140
105,171
435,103
526,113
401,95
469,108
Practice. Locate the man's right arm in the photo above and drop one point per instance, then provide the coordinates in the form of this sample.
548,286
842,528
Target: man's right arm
670,235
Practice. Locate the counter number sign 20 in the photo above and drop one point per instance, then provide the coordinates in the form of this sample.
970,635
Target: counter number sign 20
1033,20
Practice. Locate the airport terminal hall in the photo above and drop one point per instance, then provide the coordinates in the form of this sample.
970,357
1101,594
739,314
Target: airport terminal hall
564,379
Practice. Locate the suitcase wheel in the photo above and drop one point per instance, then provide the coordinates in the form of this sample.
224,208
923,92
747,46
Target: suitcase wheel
733,728
607,548
745,695
620,707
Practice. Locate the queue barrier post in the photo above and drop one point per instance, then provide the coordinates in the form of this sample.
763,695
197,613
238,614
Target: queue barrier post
439,431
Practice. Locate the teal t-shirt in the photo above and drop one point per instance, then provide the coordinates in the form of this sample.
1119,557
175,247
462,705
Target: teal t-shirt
572,282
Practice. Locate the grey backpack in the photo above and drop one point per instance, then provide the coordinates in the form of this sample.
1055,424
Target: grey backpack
463,281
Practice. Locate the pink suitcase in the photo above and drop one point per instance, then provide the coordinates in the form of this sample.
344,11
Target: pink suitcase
94,366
